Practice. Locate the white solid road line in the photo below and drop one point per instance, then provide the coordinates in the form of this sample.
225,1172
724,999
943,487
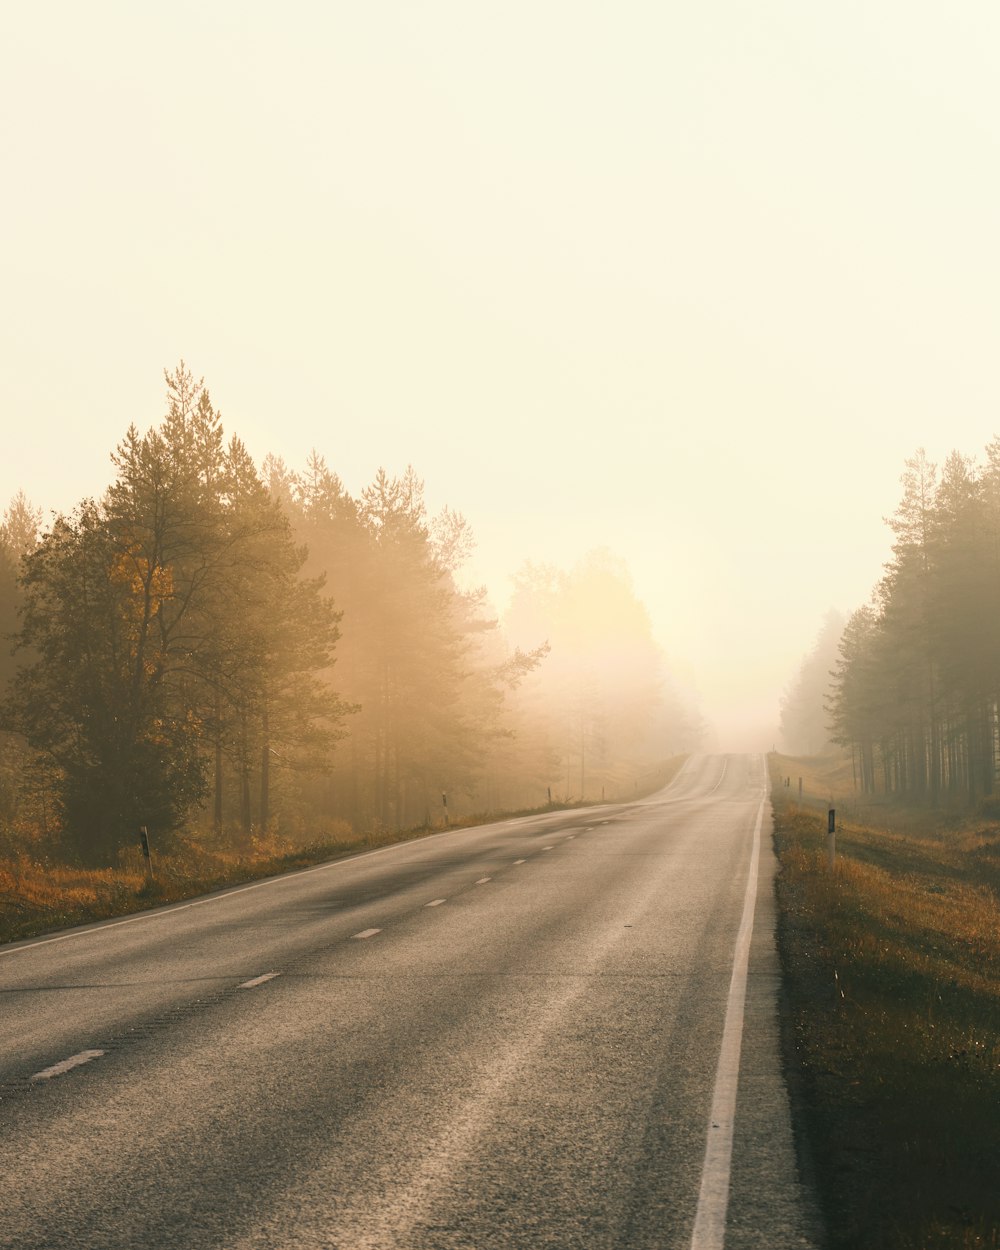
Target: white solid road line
436,902
367,933
67,1065
713,1199
267,976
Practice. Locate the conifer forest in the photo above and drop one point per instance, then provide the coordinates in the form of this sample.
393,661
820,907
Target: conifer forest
250,649
914,689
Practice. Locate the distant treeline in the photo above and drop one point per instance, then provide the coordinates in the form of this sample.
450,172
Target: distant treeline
805,720
249,650
915,691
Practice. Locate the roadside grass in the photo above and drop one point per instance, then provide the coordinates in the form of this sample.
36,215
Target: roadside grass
39,896
891,970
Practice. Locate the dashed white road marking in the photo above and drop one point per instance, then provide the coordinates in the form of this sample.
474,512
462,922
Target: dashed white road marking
548,848
267,976
725,768
483,880
367,933
713,1199
282,879
436,902
570,837
67,1065
520,861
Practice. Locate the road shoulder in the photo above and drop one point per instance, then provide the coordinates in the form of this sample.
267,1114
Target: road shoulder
770,1176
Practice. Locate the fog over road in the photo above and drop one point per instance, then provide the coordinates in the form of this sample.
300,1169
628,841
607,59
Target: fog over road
497,1037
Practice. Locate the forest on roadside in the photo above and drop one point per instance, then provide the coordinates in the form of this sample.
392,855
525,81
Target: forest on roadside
910,685
249,650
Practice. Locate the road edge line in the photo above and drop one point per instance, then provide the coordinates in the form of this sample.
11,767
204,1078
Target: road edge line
713,1198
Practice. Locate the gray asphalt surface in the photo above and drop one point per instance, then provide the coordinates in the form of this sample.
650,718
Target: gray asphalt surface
529,1063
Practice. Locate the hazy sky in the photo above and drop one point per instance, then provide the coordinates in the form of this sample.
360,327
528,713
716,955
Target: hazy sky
688,280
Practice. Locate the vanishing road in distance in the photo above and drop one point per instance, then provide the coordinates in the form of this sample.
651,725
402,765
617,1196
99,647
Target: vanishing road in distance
507,1036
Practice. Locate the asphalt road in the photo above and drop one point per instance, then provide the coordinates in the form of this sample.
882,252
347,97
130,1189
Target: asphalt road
506,1036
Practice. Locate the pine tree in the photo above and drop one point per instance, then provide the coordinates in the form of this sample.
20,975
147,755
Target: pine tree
172,634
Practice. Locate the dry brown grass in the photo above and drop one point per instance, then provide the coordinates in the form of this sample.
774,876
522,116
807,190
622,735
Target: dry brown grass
892,978
38,895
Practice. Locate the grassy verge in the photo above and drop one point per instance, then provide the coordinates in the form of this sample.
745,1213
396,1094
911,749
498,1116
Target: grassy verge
892,1031
40,897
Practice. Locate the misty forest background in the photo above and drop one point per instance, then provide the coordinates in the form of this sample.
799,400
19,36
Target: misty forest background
910,684
219,650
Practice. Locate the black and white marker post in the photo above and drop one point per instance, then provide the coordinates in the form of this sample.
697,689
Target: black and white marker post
145,851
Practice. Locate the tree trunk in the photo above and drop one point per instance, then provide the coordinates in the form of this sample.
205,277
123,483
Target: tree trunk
265,773
246,815
217,811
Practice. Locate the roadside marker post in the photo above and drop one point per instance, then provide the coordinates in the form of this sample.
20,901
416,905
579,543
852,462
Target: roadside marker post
444,804
831,837
143,834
